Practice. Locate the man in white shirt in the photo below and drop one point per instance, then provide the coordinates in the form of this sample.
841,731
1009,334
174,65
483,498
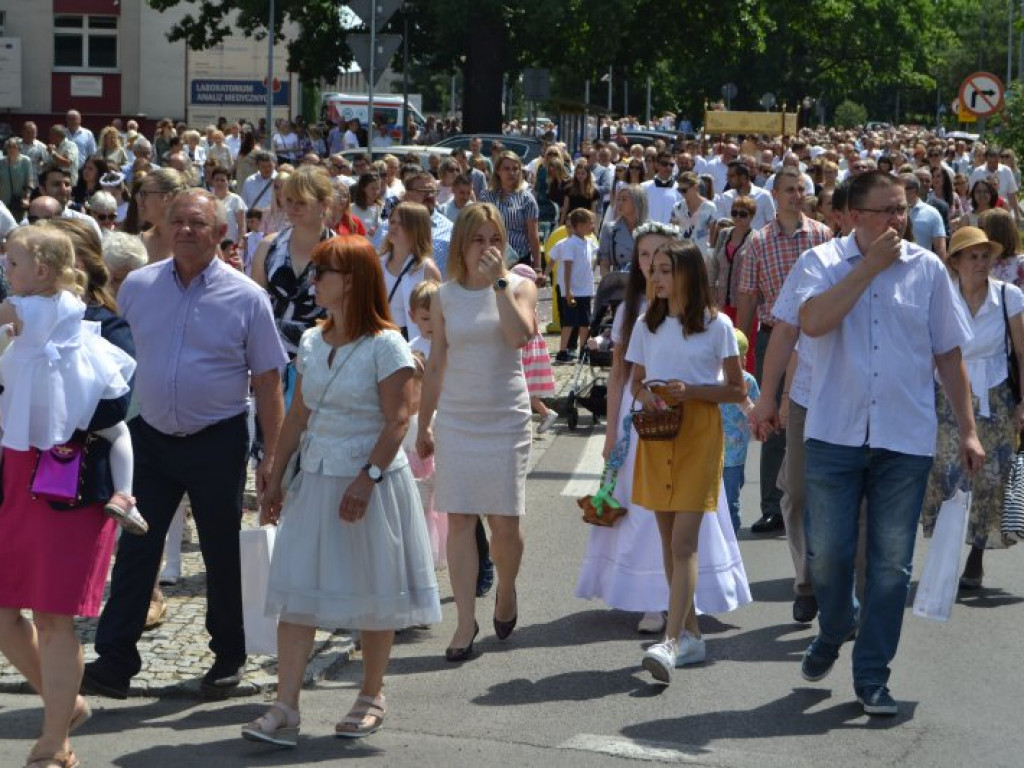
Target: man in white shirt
233,139
661,190
1003,174
63,151
882,313
738,176
82,137
55,182
258,189
351,138
718,166
33,148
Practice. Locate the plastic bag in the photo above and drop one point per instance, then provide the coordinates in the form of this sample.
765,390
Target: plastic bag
256,546
936,592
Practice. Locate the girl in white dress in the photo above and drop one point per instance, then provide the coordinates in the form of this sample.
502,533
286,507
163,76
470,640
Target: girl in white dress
57,367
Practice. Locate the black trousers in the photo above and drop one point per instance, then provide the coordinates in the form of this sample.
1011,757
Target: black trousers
210,467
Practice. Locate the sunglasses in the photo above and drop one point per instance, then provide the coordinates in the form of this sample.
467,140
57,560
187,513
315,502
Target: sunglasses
105,216
319,270
738,214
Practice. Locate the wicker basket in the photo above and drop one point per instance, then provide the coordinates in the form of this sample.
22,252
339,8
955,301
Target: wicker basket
657,425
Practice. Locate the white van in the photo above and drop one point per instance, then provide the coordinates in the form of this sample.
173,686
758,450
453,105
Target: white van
342,106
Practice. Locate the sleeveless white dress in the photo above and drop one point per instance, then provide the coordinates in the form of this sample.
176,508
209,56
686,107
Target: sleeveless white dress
56,371
482,427
623,566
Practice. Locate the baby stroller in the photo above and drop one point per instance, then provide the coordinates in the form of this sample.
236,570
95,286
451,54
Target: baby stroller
597,355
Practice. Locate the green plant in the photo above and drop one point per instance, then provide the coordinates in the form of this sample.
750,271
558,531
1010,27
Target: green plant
1007,127
850,114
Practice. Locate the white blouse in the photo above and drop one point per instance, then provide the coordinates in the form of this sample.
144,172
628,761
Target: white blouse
347,421
695,358
985,354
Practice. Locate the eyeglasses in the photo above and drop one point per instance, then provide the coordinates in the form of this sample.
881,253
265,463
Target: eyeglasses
319,270
105,216
892,210
738,214
665,163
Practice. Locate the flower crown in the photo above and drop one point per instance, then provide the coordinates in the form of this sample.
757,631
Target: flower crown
657,228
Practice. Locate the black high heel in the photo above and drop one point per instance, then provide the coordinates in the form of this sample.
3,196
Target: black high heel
504,628
462,654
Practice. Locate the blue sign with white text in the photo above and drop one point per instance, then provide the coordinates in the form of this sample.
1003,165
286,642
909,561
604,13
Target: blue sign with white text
251,93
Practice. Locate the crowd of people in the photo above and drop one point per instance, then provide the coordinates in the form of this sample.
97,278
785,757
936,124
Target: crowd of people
367,333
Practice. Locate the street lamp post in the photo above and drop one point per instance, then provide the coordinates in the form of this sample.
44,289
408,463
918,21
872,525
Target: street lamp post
406,7
270,77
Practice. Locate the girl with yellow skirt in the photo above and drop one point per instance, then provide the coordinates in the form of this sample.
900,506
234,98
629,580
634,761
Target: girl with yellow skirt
687,346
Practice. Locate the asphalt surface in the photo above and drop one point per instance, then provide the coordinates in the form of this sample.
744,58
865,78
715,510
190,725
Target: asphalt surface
567,689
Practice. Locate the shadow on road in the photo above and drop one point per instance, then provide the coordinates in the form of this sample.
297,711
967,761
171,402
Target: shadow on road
788,716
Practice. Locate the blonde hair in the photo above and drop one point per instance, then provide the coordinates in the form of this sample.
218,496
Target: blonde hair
467,224
309,184
52,248
416,222
422,296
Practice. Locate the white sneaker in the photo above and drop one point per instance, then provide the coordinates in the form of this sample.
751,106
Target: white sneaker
547,422
692,650
651,623
660,659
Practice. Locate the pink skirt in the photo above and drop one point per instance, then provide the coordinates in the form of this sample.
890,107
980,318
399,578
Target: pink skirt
540,379
53,562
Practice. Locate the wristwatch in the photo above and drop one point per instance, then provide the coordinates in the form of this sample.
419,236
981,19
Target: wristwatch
374,472
501,284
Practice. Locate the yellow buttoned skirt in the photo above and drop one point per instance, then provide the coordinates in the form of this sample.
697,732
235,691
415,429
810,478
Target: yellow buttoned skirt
684,474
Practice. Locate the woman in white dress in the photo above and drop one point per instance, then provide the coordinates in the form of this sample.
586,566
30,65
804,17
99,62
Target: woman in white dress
406,258
475,382
352,549
622,565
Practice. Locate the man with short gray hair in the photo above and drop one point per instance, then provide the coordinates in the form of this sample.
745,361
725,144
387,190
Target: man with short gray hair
257,190
202,332
82,136
63,151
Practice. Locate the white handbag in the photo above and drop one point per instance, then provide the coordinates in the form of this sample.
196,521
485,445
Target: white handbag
936,591
256,546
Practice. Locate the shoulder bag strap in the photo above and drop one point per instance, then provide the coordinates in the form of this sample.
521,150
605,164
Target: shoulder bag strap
335,370
408,265
1007,338
263,191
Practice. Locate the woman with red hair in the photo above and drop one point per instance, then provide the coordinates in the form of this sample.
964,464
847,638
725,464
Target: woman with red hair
352,548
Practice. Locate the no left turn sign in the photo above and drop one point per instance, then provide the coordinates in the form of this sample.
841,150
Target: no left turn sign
982,94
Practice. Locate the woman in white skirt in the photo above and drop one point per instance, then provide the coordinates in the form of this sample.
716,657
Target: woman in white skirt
623,565
352,549
475,382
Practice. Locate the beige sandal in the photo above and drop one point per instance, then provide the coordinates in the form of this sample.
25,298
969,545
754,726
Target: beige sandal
121,507
278,725
56,760
355,725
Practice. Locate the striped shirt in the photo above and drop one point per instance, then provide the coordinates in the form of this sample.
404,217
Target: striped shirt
771,254
516,210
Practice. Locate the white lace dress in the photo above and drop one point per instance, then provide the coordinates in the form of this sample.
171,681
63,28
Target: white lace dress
373,574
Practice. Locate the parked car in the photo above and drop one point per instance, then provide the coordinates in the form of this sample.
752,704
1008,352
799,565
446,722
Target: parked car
399,151
647,138
526,147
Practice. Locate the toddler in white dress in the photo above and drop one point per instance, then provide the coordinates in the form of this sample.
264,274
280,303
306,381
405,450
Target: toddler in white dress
57,367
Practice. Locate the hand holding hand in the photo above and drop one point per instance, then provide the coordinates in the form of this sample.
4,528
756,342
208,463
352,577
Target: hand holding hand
425,442
764,418
270,504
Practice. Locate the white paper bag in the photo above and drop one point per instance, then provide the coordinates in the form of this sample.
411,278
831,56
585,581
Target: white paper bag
256,546
936,592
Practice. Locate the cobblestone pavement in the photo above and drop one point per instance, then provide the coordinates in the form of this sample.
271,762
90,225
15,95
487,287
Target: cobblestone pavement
175,654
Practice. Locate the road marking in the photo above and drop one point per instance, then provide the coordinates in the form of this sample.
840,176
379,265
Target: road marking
632,749
586,476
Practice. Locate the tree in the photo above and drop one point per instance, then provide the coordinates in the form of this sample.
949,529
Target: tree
850,114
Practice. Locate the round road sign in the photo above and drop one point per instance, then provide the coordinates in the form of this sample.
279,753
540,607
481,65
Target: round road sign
982,94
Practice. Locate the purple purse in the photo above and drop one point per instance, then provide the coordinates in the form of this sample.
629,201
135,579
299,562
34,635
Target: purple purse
58,473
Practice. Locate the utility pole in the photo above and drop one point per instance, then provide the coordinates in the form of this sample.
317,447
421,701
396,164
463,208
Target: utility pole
270,77
648,112
406,7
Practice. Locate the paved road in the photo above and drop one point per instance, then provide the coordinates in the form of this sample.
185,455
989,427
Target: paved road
567,689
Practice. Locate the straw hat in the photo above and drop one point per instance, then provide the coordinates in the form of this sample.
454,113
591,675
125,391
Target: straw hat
965,237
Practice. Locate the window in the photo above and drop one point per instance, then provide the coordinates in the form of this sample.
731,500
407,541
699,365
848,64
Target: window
85,42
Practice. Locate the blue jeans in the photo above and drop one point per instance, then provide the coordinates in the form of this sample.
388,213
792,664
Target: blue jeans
838,477
734,479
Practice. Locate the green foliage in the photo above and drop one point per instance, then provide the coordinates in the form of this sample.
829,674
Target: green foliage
1007,128
850,114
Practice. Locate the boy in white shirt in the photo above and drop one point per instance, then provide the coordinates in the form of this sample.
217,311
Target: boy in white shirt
575,280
